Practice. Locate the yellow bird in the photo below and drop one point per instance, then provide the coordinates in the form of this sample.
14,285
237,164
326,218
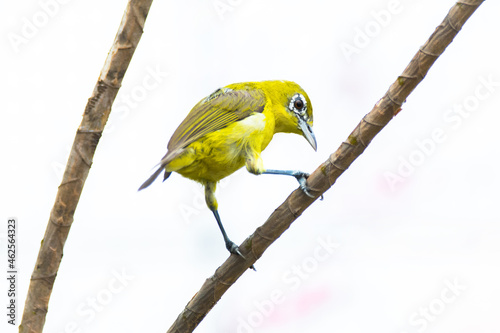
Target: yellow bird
229,129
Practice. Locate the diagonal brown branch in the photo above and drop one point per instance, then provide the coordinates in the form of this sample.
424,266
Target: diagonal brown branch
79,162
328,172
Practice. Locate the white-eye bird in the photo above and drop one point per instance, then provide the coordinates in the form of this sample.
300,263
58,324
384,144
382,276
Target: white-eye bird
229,129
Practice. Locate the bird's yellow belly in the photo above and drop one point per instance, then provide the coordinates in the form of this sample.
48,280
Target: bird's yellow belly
221,153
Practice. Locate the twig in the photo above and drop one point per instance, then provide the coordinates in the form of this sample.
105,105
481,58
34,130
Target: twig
328,172
79,162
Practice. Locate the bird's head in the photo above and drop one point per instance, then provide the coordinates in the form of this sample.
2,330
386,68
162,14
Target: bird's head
294,113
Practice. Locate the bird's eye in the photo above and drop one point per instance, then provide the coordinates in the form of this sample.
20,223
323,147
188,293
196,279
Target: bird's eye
298,104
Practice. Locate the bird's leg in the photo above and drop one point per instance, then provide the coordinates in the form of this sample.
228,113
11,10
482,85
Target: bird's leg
212,204
230,245
255,165
299,175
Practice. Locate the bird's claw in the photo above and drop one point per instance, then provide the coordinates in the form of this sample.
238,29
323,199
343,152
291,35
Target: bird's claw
305,189
234,249
302,179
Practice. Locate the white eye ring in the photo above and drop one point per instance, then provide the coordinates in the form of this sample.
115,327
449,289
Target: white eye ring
298,104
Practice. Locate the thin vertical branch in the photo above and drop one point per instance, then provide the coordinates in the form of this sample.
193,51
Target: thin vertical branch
79,162
327,173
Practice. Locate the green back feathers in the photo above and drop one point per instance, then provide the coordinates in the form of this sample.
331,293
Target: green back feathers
220,109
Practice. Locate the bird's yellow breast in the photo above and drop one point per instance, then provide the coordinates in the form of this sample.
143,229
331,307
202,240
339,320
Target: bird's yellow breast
220,153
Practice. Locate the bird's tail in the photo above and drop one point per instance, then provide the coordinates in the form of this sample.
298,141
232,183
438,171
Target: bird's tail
163,165
152,178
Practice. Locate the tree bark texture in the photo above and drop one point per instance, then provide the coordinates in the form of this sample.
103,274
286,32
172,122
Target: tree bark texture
79,162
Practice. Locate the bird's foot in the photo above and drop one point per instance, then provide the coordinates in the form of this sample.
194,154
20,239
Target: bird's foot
299,175
302,179
234,249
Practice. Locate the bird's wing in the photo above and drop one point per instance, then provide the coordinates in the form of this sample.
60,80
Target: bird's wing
220,109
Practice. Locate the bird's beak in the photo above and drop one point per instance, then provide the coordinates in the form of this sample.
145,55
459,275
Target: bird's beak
308,133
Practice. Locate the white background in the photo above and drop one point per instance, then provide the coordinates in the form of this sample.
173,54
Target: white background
401,247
